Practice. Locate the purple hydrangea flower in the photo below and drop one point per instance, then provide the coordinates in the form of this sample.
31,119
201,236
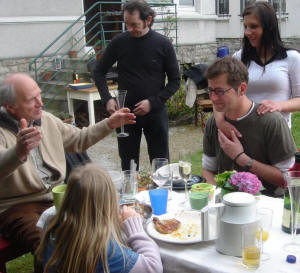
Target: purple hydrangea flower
246,182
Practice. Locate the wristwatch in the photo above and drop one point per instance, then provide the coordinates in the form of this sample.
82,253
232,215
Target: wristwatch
249,164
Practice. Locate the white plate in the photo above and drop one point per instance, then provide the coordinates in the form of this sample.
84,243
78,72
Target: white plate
190,220
173,168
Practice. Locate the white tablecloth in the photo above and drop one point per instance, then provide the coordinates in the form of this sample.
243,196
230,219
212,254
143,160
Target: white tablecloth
203,257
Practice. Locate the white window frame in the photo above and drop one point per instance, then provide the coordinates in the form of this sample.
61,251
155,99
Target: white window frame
280,15
243,5
282,4
218,8
185,7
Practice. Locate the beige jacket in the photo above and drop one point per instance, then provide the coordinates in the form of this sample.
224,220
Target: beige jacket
19,181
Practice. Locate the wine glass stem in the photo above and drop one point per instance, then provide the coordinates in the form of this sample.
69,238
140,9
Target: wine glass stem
186,191
293,215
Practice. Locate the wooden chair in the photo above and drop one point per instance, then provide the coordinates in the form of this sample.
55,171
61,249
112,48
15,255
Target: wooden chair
8,252
203,106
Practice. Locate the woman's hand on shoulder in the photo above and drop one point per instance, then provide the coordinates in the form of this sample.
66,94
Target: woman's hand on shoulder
225,126
128,212
227,129
266,106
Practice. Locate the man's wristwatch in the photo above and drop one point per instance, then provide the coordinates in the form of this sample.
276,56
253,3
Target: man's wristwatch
249,164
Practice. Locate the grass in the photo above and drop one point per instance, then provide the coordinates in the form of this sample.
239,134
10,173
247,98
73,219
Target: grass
24,264
296,128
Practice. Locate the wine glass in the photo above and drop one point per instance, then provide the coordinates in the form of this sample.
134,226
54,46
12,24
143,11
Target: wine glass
160,172
265,222
120,97
185,170
293,183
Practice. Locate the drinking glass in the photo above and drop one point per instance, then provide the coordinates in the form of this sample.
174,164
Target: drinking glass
265,222
160,172
293,183
120,97
251,246
158,175
129,187
159,200
185,170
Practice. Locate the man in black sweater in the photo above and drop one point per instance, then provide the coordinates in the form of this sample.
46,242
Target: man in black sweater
144,59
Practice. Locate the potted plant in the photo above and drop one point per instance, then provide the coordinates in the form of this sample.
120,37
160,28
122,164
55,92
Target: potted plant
99,48
168,22
64,116
46,75
231,181
73,53
144,181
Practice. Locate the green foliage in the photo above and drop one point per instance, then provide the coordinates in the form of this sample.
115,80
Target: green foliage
176,106
223,180
23,264
296,128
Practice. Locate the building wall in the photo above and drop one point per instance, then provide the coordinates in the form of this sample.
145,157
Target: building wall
27,27
232,27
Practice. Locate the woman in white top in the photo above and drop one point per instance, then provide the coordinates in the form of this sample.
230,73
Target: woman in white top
274,70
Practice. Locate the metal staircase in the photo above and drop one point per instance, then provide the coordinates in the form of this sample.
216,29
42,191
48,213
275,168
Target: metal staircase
87,37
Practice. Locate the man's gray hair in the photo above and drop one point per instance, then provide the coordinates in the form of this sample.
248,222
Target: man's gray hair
7,94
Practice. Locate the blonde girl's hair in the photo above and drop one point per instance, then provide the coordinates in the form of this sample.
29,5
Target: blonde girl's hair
87,220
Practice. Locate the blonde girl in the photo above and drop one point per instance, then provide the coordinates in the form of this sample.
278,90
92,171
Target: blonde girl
86,234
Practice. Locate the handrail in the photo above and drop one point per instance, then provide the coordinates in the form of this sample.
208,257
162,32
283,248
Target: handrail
90,32
83,15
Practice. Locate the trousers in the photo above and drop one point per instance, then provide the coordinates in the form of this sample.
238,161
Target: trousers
155,126
18,224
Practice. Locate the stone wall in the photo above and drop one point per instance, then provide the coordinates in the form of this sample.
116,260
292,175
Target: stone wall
9,66
186,54
206,53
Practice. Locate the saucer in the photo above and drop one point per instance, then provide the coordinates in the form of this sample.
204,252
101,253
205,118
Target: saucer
178,184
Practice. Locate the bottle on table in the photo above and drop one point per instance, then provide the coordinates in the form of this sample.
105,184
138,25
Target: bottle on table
57,62
286,216
75,77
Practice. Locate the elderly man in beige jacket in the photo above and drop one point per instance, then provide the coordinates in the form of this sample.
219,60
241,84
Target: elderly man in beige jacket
32,155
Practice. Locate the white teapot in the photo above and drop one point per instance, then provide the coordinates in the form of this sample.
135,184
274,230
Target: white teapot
238,209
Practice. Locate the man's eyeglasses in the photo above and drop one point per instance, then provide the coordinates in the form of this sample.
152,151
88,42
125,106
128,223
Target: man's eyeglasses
218,92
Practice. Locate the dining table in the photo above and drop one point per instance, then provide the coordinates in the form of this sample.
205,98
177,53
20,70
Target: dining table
202,256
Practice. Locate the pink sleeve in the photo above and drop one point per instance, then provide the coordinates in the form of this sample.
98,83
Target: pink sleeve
149,260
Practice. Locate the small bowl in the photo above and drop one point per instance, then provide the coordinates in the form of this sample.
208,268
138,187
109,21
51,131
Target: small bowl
144,210
198,200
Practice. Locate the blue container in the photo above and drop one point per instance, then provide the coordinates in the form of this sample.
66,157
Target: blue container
222,51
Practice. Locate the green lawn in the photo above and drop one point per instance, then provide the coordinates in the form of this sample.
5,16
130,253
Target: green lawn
24,264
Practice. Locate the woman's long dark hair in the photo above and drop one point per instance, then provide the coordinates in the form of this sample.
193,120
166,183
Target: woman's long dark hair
270,40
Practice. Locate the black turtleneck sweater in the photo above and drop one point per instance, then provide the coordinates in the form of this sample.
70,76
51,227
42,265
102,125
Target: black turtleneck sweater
143,64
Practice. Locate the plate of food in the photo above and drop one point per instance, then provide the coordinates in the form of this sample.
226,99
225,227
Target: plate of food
179,228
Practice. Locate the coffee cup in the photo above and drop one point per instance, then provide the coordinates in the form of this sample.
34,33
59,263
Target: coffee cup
58,195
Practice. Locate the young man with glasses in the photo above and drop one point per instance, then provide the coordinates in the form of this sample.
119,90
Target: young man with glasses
266,147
